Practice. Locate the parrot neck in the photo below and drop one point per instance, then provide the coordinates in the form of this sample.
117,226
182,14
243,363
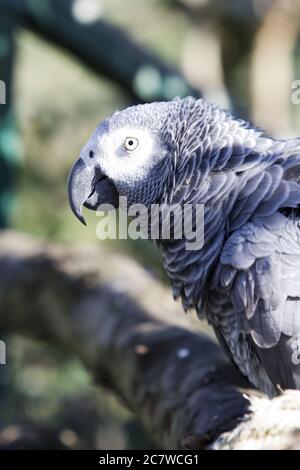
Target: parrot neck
189,269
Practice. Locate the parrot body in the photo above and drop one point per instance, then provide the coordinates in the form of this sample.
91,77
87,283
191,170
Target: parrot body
246,278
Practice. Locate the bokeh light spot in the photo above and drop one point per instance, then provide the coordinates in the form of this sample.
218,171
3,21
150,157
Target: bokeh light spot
39,8
174,86
183,353
147,82
8,203
87,11
10,145
4,45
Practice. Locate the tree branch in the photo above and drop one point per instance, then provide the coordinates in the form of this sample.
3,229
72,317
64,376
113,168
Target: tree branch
137,343
105,48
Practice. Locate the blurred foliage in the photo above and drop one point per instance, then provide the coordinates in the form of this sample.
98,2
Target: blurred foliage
58,103
53,392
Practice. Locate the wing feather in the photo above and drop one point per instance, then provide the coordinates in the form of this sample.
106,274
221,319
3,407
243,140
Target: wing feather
260,274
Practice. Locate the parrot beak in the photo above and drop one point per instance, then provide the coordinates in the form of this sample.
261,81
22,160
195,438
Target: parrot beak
89,187
80,186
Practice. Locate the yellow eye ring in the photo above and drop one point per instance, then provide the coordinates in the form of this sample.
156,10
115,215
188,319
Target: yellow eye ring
131,143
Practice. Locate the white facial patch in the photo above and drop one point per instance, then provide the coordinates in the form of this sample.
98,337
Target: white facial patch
118,161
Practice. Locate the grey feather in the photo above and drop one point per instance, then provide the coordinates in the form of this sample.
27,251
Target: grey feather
246,278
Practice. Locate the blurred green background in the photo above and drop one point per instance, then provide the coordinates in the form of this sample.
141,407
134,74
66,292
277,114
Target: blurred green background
242,55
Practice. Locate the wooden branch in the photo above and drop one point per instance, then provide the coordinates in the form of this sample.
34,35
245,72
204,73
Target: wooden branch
137,343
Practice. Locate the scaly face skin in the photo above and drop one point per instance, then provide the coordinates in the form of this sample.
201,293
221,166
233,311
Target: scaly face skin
120,160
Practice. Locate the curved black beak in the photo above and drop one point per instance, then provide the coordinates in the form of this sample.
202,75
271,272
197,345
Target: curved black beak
89,187
80,186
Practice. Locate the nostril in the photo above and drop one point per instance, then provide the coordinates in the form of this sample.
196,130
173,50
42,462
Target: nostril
91,154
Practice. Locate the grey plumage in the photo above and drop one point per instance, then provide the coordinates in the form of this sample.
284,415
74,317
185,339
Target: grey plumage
246,278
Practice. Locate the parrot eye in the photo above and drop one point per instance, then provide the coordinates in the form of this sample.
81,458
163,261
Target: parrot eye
131,143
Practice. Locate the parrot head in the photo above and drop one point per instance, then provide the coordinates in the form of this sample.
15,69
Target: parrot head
130,154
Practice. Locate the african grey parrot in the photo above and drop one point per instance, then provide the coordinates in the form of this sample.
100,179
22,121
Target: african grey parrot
246,278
